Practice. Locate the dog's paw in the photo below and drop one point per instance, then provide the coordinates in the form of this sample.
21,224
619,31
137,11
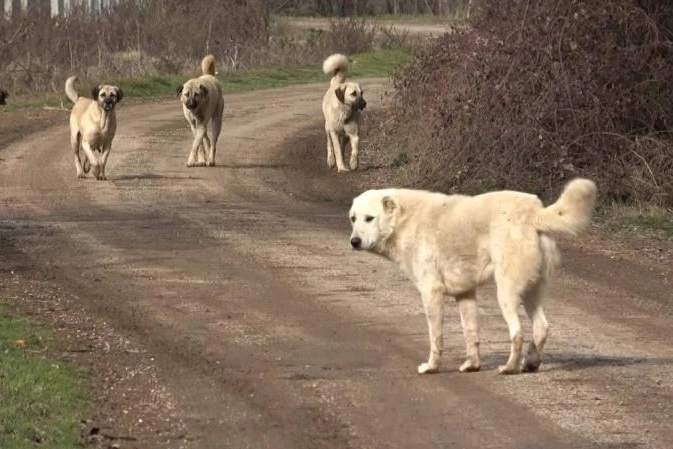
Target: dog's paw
531,364
211,163
426,368
343,170
331,161
81,176
469,366
354,164
191,164
506,369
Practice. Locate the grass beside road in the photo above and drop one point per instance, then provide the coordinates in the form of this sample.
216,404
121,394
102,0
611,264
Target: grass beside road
41,400
376,63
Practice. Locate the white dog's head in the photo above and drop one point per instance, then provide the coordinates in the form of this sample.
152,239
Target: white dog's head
373,216
351,95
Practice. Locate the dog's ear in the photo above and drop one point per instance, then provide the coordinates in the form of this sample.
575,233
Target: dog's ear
95,90
340,93
179,90
389,205
120,94
204,91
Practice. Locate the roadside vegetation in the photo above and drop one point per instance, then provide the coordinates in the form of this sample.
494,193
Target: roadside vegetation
41,400
566,89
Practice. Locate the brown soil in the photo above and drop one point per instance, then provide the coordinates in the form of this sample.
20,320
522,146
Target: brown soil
222,307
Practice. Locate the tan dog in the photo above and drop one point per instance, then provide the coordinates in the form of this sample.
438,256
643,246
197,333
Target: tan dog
449,245
341,106
203,105
93,124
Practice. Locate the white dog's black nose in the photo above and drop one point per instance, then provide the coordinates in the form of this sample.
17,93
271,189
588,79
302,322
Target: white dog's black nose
356,242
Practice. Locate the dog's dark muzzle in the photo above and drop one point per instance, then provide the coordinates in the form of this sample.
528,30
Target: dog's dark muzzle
356,243
108,105
192,104
361,104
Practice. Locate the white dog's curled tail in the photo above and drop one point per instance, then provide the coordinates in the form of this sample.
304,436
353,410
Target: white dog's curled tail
208,65
336,65
70,89
571,213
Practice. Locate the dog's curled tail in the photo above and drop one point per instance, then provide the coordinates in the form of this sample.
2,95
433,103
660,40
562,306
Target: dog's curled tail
336,65
571,213
208,65
70,89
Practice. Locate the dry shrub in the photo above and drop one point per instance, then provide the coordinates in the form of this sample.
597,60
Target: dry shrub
540,92
37,52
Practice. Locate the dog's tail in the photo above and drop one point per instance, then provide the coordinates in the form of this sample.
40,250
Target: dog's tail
571,213
336,65
70,89
208,65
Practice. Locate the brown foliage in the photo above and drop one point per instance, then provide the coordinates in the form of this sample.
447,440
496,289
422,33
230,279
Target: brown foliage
37,51
540,92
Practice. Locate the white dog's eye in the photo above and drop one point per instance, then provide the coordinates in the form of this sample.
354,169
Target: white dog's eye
368,218
353,219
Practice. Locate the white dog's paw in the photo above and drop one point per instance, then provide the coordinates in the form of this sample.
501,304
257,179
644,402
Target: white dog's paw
81,175
343,170
470,366
354,164
426,368
331,161
506,369
211,163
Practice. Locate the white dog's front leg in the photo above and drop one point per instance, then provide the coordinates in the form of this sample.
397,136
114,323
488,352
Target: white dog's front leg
93,158
433,303
355,141
338,152
199,132
330,152
103,163
204,149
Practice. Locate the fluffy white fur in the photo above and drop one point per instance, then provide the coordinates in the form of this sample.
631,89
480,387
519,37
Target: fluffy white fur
450,244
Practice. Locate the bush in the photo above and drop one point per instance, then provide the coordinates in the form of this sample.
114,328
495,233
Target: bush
537,93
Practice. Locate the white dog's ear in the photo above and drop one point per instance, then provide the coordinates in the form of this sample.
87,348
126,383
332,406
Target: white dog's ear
340,93
389,205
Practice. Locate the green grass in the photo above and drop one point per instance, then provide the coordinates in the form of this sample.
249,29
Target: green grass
40,400
648,221
376,63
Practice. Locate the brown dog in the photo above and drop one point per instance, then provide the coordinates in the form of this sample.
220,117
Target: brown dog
93,124
203,105
342,106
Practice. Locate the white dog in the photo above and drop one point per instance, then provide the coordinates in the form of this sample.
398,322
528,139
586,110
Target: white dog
341,106
450,244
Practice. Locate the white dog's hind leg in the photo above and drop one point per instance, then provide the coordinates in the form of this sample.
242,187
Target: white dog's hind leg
509,300
338,152
533,305
433,303
216,128
355,141
469,318
75,144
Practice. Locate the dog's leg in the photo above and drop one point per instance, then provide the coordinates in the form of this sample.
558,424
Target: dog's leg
103,162
93,158
469,318
338,153
75,145
509,300
199,132
330,151
215,129
433,303
532,302
355,142
204,149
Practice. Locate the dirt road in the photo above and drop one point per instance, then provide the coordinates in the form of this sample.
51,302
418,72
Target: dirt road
236,286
